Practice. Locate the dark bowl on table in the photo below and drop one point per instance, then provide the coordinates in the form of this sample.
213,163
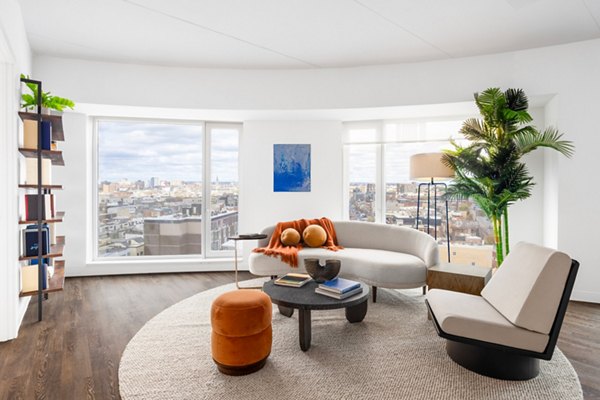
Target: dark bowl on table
320,273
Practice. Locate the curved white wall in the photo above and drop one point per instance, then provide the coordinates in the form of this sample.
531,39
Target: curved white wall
15,57
568,71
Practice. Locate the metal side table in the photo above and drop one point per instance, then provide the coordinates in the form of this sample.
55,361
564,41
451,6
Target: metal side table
236,239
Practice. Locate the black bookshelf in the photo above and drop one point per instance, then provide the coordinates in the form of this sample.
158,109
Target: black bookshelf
56,283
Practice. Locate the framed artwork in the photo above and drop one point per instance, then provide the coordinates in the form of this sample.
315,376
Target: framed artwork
291,167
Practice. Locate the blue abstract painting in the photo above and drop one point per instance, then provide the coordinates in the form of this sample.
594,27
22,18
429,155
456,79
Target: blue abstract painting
291,167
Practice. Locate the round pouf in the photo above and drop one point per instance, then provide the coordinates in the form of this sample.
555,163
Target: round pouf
241,331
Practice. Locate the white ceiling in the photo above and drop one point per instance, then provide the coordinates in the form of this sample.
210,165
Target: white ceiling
300,33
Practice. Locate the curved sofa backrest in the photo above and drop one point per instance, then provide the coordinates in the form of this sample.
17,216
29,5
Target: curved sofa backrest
369,235
267,231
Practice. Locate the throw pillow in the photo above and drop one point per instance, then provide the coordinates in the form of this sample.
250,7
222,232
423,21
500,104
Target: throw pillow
290,237
314,235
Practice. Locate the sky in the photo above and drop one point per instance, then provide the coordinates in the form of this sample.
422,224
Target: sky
140,150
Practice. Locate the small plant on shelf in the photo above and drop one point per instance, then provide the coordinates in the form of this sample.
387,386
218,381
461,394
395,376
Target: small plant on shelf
29,100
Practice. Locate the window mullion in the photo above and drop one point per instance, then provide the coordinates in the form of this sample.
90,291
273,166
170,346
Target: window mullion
379,185
206,189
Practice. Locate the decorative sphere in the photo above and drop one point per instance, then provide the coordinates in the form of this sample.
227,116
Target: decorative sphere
314,236
290,237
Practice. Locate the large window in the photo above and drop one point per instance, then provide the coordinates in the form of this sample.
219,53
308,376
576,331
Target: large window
377,158
153,178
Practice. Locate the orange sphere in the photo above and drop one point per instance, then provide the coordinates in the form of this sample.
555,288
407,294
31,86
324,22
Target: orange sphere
314,236
290,237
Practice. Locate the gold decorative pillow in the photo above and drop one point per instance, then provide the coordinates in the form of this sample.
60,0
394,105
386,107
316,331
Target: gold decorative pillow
290,237
314,236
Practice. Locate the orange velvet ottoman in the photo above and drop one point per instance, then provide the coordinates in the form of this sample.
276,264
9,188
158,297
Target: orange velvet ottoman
241,331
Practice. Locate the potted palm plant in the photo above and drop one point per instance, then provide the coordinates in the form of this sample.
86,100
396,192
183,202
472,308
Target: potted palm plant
489,170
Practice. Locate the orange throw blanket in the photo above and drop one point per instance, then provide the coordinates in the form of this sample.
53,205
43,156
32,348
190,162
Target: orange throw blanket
289,254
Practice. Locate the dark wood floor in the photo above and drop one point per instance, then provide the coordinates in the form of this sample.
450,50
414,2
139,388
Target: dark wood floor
74,353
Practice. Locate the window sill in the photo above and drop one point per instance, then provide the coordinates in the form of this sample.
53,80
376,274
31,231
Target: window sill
154,266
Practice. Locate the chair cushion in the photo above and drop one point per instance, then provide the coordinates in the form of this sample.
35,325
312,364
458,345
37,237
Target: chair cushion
528,286
473,317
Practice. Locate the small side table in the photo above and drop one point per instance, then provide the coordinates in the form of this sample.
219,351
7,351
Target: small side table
459,278
236,239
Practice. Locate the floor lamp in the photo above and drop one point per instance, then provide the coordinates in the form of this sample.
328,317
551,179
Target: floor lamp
429,168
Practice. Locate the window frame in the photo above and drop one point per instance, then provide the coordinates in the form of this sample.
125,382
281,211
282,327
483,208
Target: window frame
207,253
380,143
207,189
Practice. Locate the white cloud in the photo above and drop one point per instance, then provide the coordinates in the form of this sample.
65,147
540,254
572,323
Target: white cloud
137,150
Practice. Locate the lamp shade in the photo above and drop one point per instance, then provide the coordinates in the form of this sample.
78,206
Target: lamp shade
427,166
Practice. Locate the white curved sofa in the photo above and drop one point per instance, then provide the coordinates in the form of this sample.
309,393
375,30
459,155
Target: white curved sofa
376,254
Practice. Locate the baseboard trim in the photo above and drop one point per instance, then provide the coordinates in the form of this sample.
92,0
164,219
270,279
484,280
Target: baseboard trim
587,296
23,305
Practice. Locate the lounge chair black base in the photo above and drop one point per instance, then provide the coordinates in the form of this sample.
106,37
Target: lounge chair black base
493,363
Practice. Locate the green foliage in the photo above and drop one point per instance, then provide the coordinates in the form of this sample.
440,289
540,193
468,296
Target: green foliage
489,169
48,100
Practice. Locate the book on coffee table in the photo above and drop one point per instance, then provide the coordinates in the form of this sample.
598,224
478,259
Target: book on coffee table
339,296
293,280
339,285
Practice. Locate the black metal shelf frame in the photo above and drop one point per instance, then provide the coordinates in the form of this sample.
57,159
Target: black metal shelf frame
40,191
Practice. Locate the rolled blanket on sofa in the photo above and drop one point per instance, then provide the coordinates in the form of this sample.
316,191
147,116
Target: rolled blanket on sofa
289,254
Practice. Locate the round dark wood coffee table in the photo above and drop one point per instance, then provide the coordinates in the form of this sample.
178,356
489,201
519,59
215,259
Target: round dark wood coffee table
305,300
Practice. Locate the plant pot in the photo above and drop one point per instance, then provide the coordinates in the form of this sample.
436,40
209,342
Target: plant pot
321,273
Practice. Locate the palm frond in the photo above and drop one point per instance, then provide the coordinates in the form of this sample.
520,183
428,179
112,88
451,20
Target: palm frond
516,99
550,138
473,129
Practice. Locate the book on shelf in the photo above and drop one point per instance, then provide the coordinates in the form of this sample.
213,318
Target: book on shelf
52,230
31,175
31,206
30,240
339,285
339,296
29,278
293,280
30,134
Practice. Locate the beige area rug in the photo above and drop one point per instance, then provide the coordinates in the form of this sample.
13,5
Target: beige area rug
393,354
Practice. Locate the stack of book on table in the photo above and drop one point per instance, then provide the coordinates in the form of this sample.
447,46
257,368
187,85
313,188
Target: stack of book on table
293,280
339,288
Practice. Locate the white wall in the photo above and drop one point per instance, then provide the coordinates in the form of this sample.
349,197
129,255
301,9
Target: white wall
15,57
526,218
568,71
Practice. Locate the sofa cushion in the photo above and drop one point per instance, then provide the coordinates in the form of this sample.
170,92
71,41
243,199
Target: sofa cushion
367,235
263,265
473,317
388,268
396,270
528,286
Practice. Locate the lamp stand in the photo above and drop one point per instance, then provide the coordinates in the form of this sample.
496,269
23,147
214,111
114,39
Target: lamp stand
429,186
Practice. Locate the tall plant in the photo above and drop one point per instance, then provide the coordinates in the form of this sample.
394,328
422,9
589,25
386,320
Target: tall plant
489,169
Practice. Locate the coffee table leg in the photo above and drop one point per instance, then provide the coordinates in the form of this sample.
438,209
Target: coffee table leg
357,313
285,311
305,329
